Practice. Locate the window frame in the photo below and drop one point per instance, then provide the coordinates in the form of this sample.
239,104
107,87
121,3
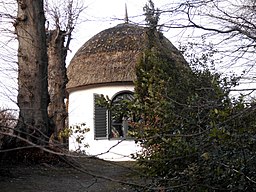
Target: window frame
110,118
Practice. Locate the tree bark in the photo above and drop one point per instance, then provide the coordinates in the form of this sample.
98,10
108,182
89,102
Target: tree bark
57,79
33,97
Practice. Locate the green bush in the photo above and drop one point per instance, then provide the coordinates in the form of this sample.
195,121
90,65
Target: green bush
194,137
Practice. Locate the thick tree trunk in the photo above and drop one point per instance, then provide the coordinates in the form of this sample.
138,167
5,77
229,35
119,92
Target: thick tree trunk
33,97
57,79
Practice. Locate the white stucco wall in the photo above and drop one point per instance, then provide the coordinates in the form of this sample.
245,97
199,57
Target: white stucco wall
81,110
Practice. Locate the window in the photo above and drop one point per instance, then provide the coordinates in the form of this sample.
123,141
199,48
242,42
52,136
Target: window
114,123
118,119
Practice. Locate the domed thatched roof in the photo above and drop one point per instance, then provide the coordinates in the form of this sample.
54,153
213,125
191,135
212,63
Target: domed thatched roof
111,56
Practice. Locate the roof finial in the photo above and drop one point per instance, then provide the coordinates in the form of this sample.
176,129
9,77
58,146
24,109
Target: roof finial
126,20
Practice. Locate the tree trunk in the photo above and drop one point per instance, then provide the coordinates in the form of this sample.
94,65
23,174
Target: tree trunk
57,79
33,97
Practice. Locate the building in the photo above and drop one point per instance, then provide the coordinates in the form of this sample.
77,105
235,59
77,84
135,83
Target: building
105,64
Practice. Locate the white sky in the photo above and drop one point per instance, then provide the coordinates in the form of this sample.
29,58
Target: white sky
99,15
102,14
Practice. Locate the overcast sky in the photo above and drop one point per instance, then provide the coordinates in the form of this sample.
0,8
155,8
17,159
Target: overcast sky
98,15
102,14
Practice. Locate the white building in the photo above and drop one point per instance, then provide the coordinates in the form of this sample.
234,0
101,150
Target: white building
106,65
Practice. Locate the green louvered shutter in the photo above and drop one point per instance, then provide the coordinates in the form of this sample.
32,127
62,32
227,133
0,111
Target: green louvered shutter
100,120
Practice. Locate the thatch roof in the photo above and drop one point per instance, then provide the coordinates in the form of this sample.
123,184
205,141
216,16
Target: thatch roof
111,56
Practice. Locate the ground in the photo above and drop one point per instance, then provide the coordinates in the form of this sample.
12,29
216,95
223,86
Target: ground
81,174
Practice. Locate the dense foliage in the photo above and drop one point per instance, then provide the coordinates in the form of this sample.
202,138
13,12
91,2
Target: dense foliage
194,137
